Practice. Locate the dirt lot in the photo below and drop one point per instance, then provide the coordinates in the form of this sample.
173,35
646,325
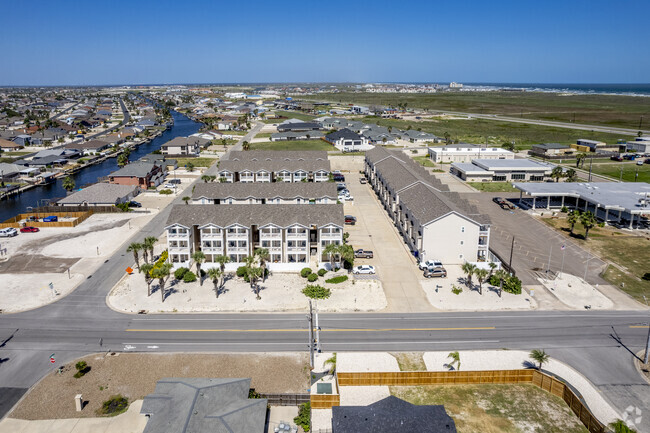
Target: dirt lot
135,375
497,408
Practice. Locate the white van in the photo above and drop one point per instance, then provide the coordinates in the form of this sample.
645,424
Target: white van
8,232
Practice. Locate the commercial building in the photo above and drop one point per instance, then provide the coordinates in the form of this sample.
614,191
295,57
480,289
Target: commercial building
292,233
639,145
584,145
624,203
265,193
551,149
502,170
275,166
435,224
459,153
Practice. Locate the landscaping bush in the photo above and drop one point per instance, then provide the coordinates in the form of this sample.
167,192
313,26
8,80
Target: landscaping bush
82,368
316,292
456,290
165,191
564,209
161,260
337,280
304,416
189,277
241,271
124,206
305,272
312,277
494,281
322,272
180,273
512,285
114,405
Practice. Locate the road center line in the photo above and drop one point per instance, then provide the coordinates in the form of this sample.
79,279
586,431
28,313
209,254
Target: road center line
305,330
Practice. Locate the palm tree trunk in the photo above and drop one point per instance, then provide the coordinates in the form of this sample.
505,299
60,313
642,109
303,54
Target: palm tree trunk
162,289
137,261
198,271
216,287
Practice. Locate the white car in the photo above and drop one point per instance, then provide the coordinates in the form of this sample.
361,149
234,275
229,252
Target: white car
363,269
169,186
8,232
346,198
430,264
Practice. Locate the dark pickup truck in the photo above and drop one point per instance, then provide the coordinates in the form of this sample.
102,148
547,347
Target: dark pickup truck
363,254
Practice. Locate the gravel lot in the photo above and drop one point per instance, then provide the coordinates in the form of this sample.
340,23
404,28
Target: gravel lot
135,375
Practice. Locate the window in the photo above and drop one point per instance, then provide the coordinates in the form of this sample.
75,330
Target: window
518,176
462,229
460,256
462,242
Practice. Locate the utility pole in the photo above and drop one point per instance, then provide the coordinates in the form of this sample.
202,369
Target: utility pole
512,248
591,163
550,253
641,124
647,343
317,326
310,318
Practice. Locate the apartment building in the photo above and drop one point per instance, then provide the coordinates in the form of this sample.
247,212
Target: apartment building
265,193
466,153
275,166
435,224
293,233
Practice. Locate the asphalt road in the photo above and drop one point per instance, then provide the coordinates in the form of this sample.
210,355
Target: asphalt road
598,344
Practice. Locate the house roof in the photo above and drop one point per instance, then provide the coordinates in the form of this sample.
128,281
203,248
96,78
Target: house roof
548,146
391,414
282,215
273,161
344,133
296,135
100,193
196,405
134,169
242,190
92,144
298,126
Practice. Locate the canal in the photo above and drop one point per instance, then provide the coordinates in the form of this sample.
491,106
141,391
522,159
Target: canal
183,126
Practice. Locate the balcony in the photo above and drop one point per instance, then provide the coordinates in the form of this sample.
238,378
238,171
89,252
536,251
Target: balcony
297,249
296,235
178,235
237,236
237,250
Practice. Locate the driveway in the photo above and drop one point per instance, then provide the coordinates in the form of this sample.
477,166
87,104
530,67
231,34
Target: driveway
396,267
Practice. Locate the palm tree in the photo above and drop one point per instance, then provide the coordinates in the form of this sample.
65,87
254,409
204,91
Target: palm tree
186,199
619,426
492,266
68,183
198,258
571,175
146,270
573,218
215,274
580,158
246,145
468,269
263,256
557,173
222,260
148,244
455,360
331,250
134,248
347,255
162,273
253,273
481,275
501,275
539,356
331,361
447,137
205,178
122,160
588,221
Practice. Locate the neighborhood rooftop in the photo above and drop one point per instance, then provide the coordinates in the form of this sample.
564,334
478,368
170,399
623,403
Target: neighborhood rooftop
265,190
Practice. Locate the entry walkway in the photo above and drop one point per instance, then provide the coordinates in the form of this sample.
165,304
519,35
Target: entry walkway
396,267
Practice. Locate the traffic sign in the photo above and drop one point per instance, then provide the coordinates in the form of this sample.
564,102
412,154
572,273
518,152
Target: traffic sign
129,270
52,359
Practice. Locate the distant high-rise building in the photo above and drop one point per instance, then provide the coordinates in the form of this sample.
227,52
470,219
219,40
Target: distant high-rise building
455,85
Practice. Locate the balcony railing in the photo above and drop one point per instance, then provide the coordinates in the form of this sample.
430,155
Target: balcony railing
178,235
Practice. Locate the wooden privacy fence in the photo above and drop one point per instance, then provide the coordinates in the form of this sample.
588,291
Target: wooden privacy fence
418,378
286,399
78,218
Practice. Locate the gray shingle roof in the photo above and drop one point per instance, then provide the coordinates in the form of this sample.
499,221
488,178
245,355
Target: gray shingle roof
282,215
100,194
240,190
273,161
196,405
135,169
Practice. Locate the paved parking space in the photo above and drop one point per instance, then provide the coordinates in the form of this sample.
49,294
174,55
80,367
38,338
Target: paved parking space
396,267
534,243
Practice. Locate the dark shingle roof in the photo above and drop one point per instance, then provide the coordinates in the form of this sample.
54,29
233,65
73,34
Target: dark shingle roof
344,133
240,190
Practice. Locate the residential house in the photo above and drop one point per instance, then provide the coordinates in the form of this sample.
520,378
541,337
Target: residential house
182,146
290,135
291,232
435,224
415,136
299,127
142,174
275,166
91,147
101,194
7,145
265,193
348,141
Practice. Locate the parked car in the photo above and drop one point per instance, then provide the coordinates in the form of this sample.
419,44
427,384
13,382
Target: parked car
640,162
341,186
50,219
338,177
363,269
363,254
169,186
435,273
174,181
134,204
32,218
616,158
346,198
29,229
647,161
630,157
350,220
363,180
430,264
8,232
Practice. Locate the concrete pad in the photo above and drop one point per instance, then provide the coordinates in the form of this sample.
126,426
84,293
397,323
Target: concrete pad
40,426
12,425
281,414
65,426
354,362
321,419
130,422
576,293
95,425
363,395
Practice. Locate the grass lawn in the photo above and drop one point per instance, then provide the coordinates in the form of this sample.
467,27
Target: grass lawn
497,408
292,145
495,132
410,361
8,160
613,169
492,186
424,160
16,153
630,252
263,134
198,162
610,110
289,115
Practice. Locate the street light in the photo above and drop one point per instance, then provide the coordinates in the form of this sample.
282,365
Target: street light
587,268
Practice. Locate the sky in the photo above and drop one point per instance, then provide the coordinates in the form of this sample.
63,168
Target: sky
71,42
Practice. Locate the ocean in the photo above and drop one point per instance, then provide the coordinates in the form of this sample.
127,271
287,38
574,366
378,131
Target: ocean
607,89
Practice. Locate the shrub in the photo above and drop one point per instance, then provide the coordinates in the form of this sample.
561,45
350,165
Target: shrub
337,280
114,405
165,191
494,281
322,272
512,285
564,209
316,292
124,206
161,260
456,290
305,272
189,277
82,368
312,277
304,416
646,276
180,273
241,271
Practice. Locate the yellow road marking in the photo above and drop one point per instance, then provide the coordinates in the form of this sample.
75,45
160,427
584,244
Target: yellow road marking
303,330
638,326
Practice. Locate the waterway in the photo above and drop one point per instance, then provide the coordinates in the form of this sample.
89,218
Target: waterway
183,126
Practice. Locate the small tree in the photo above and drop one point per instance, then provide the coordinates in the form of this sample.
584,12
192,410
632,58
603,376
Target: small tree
262,256
331,361
455,360
68,183
198,258
206,178
135,248
557,173
186,199
481,276
492,266
539,356
146,269
501,275
189,167
573,218
619,426
162,273
122,160
215,274
246,145
468,269
588,221
571,176
149,243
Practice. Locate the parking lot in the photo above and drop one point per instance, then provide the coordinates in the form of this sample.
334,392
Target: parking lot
395,266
